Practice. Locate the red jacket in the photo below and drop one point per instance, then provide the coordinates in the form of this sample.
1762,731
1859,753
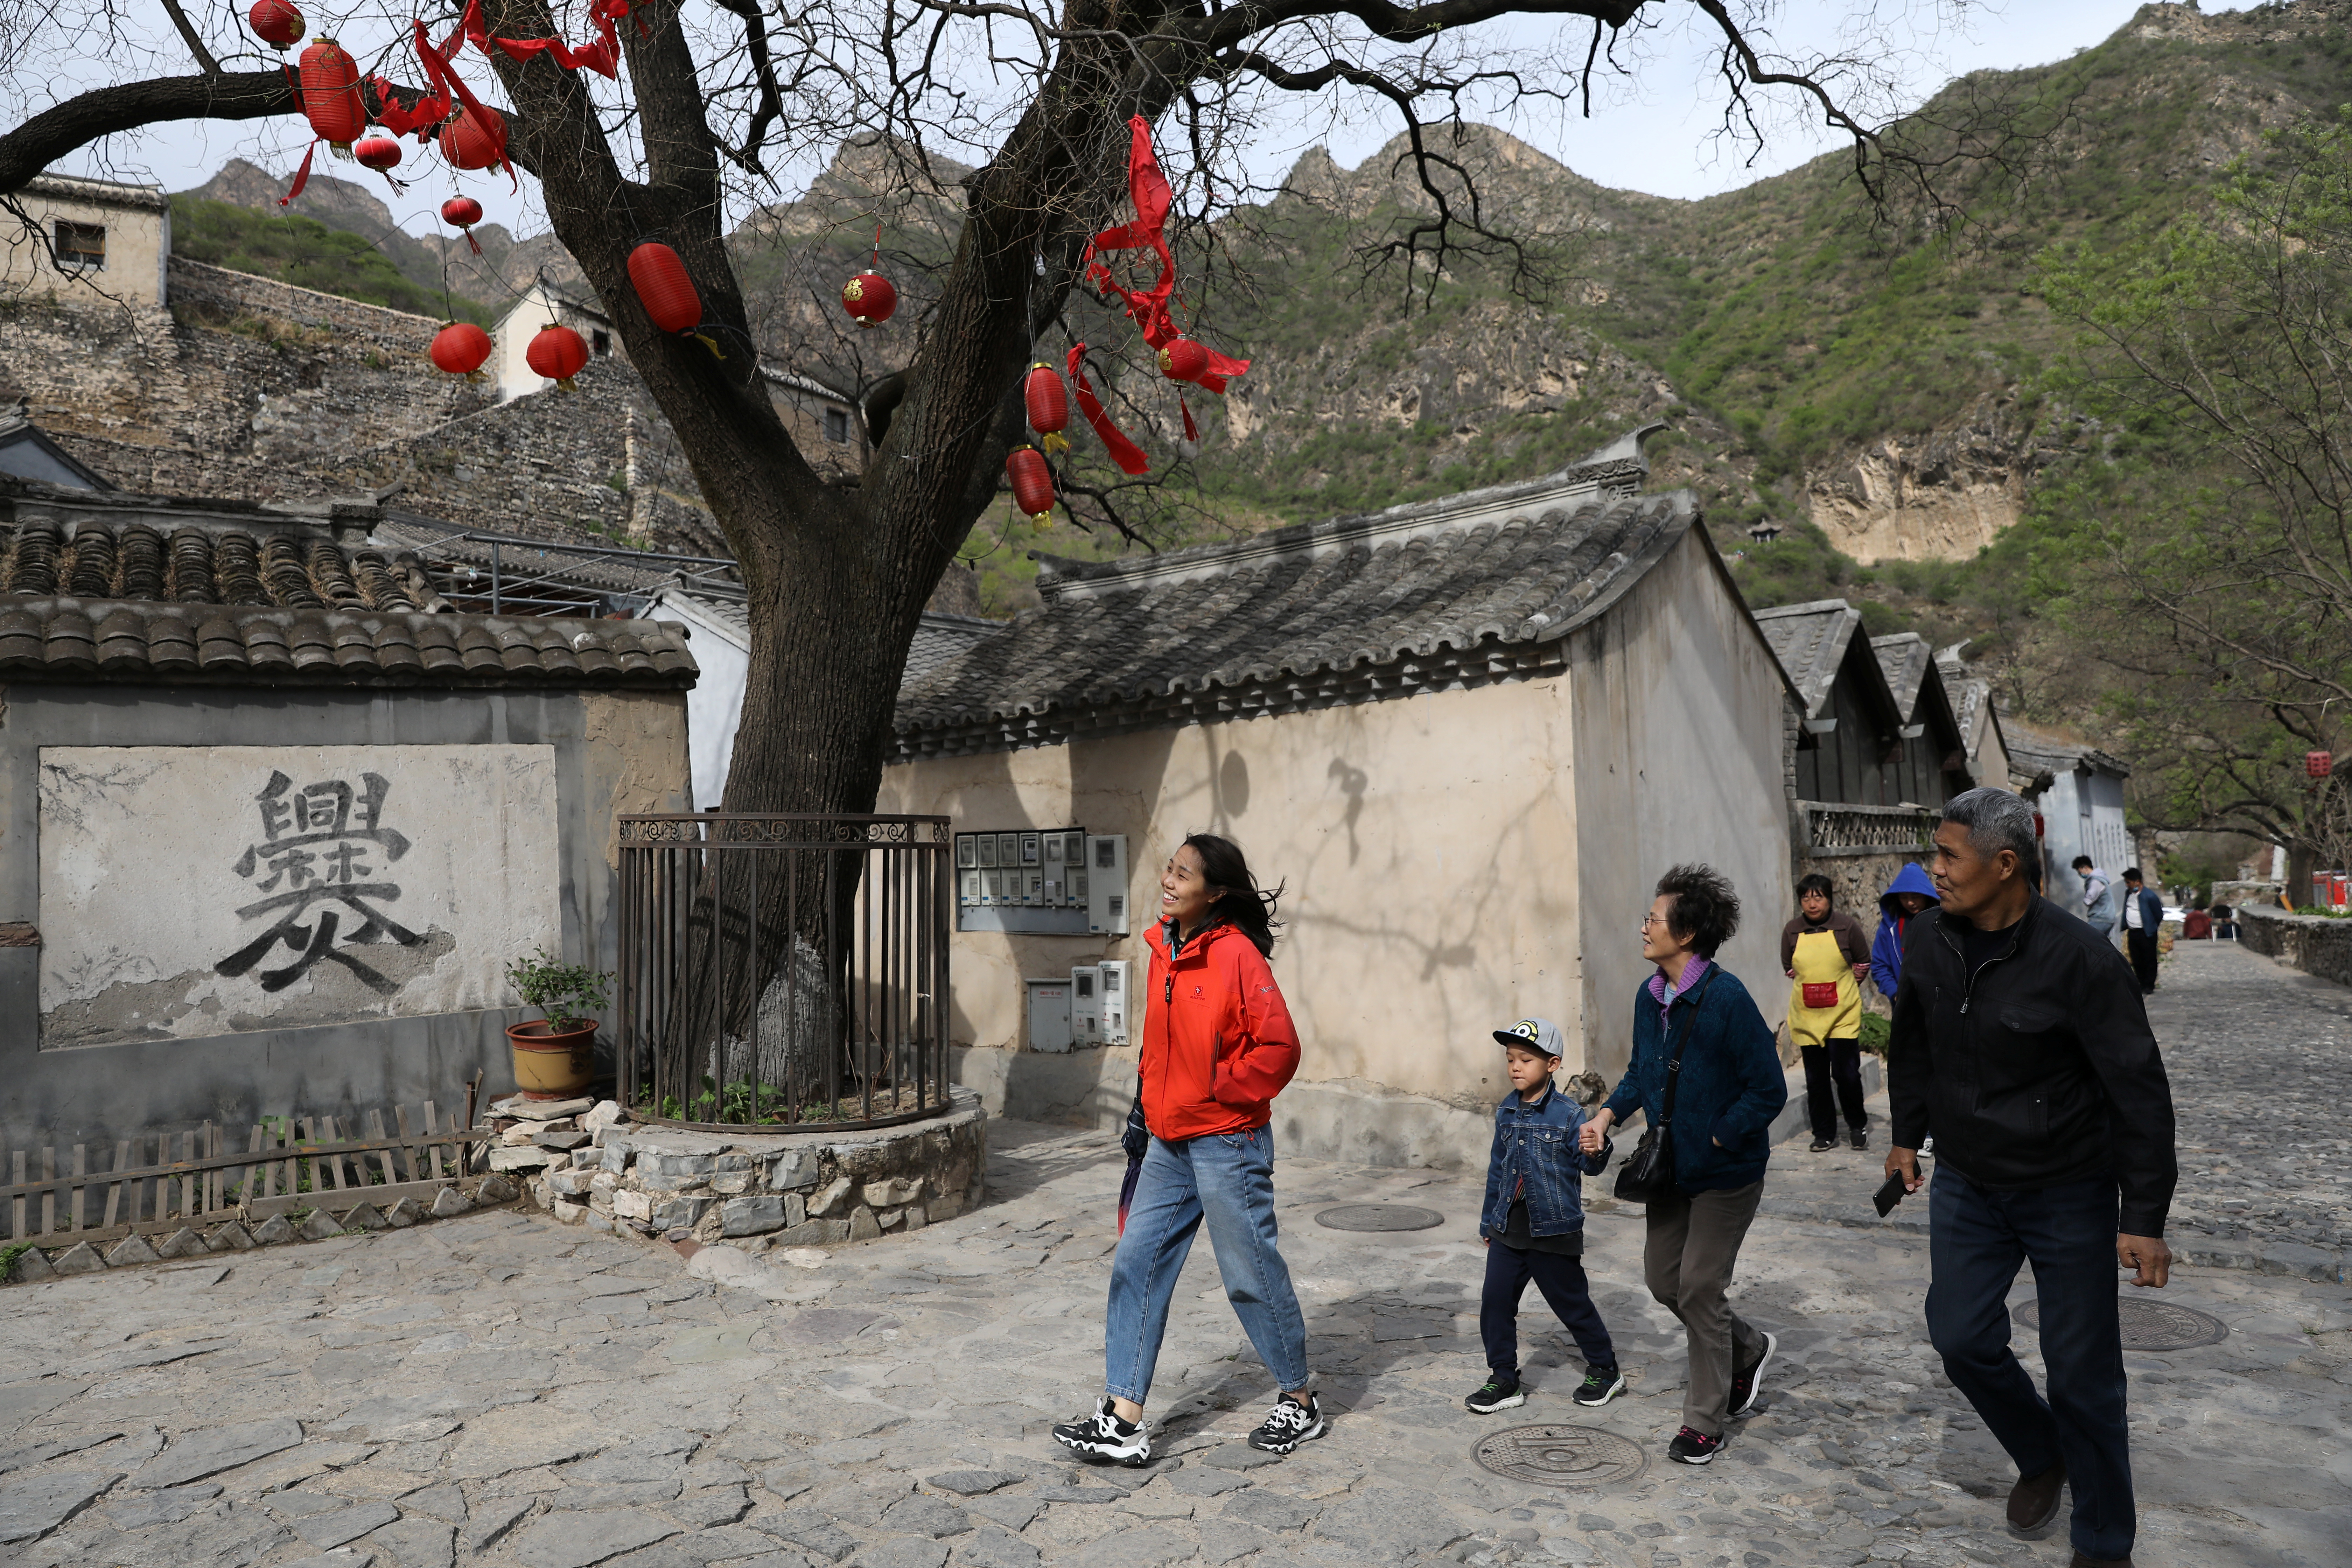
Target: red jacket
1218,1042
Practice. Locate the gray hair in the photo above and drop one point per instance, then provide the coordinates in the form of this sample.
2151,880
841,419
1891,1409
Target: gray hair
1996,820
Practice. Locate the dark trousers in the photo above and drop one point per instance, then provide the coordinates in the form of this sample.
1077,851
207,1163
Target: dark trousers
1839,1062
2143,957
1565,1290
1976,1241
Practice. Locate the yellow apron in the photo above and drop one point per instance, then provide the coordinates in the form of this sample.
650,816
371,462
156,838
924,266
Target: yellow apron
1818,961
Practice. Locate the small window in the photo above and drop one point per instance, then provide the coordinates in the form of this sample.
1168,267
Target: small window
836,426
82,246
601,342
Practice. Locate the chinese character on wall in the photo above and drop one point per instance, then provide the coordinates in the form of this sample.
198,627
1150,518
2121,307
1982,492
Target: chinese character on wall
323,858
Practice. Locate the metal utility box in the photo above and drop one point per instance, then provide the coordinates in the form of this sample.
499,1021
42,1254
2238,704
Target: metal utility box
1112,982
1049,1015
1106,884
1085,1004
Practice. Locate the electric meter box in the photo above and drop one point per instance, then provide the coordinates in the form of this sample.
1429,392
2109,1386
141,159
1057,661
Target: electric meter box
1085,1004
1106,884
1049,1015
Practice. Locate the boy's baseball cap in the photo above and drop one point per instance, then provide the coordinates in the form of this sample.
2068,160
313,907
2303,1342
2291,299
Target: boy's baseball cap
1536,1034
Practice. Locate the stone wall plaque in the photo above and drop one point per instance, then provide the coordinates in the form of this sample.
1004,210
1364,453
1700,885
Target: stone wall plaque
189,891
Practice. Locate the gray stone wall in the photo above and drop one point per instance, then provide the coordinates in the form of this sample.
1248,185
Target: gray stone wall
2313,943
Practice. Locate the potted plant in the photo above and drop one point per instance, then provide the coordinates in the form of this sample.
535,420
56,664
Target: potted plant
554,1058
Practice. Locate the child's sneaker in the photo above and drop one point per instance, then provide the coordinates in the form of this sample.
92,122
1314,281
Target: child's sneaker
1287,1424
1495,1394
1602,1384
1103,1436
1691,1446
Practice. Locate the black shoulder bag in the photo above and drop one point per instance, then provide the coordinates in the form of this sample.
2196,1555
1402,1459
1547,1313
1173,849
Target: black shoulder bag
1649,1174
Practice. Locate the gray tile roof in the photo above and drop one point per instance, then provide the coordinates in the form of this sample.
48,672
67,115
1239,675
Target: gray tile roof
1906,659
145,588
1810,640
1467,589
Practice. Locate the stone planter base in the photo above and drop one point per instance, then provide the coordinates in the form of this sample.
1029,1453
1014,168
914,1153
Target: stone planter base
771,1189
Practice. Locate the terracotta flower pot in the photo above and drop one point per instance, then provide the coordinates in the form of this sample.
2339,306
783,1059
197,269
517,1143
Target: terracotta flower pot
551,1065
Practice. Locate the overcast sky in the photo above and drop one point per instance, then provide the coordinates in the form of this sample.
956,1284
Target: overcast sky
1653,134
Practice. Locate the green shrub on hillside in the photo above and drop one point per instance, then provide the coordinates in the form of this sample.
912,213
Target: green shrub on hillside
307,254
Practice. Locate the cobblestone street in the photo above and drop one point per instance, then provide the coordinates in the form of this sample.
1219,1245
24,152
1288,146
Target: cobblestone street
501,1389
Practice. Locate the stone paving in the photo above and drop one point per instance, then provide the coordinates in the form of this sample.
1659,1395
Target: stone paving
503,1390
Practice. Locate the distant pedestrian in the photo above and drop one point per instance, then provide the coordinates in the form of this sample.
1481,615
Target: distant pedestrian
2098,897
2143,922
1218,1046
1699,1018
2020,1042
1533,1223
1824,953
1906,897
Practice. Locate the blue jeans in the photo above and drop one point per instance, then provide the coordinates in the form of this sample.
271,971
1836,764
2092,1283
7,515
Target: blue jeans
1226,1178
1976,1240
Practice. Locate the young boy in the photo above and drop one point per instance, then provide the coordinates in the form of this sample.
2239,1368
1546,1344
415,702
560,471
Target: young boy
1534,1223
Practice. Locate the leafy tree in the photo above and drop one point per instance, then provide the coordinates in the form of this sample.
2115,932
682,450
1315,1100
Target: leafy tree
2207,556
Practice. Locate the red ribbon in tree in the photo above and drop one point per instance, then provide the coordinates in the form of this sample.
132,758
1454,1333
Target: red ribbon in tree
1124,452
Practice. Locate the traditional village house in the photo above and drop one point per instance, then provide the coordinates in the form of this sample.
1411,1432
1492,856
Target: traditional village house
283,814
1466,736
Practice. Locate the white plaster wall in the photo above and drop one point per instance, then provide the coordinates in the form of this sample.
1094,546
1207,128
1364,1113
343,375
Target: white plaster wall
1678,753
1429,844
158,864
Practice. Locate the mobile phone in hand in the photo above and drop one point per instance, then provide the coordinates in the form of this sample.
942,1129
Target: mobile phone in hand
1887,1197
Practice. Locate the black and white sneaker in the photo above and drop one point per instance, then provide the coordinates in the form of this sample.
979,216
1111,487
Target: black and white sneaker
1103,1436
1495,1394
1289,1424
1747,1382
1601,1384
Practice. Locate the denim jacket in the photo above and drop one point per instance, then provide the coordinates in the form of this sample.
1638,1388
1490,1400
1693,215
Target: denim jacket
1539,1143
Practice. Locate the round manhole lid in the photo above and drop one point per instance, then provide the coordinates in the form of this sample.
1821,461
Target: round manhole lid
1561,1456
1379,1216
2147,1325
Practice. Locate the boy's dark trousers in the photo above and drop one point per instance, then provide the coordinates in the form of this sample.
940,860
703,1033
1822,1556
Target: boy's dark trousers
1839,1060
1561,1279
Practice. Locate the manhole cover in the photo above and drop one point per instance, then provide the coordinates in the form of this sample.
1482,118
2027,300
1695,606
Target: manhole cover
2149,1325
1561,1456
1379,1216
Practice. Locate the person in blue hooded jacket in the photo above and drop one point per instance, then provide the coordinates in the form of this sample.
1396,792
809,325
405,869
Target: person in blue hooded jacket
1698,1016
1909,894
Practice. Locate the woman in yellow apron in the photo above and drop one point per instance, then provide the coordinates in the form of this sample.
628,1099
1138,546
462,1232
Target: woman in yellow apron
1826,953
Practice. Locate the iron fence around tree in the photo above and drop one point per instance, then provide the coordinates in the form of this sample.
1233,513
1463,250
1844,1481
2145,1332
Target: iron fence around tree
780,970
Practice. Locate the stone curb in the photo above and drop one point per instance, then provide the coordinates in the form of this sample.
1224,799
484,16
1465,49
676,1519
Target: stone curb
360,1218
2286,1260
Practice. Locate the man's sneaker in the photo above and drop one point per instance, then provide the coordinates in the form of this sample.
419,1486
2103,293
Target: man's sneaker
1694,1448
1495,1394
1860,1137
1820,1144
1289,1424
1103,1436
1747,1382
1601,1384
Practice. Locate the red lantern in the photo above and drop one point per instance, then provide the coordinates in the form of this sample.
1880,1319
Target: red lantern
381,153
1032,483
662,285
276,23
461,348
475,140
1048,403
869,297
331,95
557,354
2319,765
1184,360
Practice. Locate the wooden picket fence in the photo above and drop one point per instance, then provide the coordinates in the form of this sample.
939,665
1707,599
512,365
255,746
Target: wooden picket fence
311,1162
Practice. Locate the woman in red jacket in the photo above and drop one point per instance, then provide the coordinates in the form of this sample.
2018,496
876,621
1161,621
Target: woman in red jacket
1218,1046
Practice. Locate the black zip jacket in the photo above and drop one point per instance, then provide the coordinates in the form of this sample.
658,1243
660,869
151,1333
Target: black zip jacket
2038,1068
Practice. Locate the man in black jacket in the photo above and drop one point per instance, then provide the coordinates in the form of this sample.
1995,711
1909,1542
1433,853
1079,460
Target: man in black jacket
2021,1045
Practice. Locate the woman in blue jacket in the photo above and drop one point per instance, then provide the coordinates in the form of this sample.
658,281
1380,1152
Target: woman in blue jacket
1731,1086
